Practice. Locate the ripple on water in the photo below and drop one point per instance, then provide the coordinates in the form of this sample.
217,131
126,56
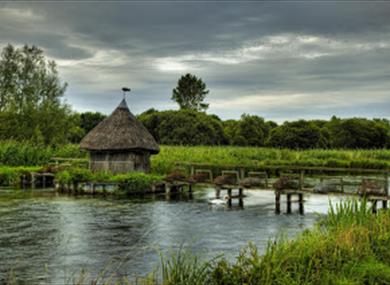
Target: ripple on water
64,234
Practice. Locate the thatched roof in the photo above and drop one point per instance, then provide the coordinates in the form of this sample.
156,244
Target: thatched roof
120,131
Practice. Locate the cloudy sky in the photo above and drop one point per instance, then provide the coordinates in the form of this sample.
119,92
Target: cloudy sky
280,60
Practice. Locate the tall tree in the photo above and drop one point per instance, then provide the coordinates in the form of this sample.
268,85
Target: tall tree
89,120
190,93
30,97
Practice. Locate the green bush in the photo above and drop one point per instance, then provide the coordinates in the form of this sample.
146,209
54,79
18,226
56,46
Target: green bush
136,181
131,182
14,153
11,176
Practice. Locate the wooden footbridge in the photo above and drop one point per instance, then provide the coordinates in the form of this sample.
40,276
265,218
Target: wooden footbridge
372,184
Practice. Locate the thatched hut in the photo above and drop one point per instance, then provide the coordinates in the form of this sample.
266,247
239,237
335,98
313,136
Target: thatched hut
120,143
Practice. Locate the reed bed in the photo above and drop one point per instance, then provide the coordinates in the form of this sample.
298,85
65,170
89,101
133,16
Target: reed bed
25,154
13,153
166,160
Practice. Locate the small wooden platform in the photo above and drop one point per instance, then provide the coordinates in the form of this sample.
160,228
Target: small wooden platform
229,188
289,194
374,199
37,180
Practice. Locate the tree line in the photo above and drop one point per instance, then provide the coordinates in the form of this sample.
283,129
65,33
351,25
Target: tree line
32,109
189,127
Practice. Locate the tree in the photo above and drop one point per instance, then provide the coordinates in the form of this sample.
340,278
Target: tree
89,120
297,135
183,127
359,133
250,130
190,93
30,97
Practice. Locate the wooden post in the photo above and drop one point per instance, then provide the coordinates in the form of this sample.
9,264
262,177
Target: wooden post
23,181
301,179
190,188
32,180
301,208
277,202
387,184
374,204
229,193
384,204
240,192
342,184
242,173
289,203
217,193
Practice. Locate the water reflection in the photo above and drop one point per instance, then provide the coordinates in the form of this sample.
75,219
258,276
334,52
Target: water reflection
50,238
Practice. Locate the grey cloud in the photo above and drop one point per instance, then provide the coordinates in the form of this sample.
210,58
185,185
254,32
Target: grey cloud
326,51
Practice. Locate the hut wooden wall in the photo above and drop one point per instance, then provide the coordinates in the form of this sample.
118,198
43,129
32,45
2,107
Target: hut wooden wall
120,162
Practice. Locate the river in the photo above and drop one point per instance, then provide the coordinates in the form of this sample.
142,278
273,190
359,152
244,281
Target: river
48,238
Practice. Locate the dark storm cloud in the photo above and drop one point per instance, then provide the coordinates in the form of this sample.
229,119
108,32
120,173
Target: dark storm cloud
282,60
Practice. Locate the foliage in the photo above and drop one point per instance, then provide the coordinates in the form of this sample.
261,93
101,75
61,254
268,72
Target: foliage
184,127
297,135
10,176
190,93
197,128
132,181
136,181
184,267
166,161
359,133
30,98
26,154
89,120
248,131
14,153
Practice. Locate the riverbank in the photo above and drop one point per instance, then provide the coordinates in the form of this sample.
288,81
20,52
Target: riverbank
348,246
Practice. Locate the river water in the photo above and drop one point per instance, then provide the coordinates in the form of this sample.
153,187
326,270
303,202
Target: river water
49,238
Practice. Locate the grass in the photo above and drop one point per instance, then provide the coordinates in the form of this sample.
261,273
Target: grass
165,161
14,153
134,181
26,154
10,176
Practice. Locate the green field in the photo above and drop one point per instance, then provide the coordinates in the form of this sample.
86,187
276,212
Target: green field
26,154
166,160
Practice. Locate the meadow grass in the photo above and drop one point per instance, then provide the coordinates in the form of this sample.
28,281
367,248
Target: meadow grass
165,161
13,153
